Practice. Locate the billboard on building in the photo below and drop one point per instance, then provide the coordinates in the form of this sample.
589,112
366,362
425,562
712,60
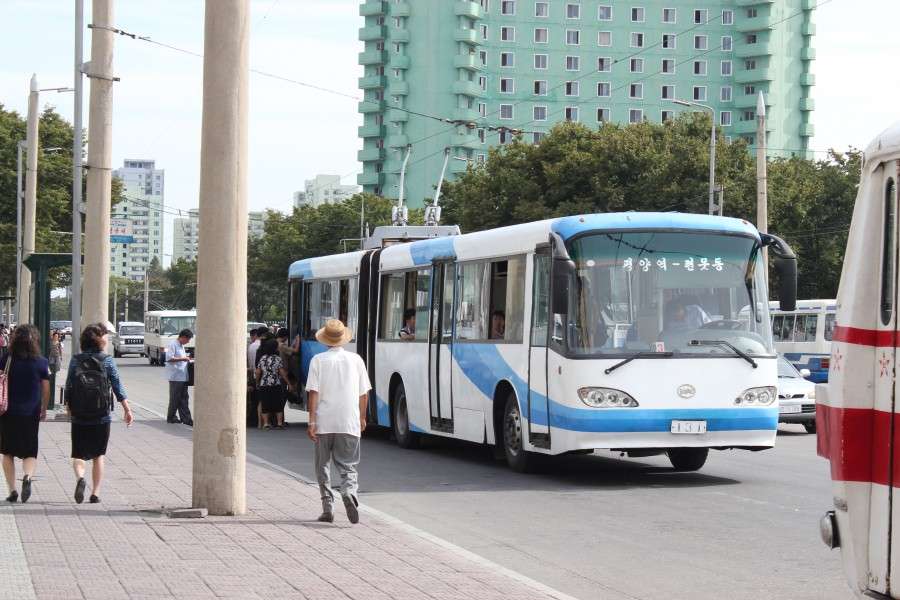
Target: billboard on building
120,231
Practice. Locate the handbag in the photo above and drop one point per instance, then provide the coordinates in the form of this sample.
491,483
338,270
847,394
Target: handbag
4,386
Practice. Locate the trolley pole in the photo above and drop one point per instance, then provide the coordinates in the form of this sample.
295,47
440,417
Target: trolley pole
219,482
77,174
29,201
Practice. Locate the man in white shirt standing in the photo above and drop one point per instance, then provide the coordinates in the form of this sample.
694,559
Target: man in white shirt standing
177,360
338,392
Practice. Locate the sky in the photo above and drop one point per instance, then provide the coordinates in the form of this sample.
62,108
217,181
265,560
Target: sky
297,132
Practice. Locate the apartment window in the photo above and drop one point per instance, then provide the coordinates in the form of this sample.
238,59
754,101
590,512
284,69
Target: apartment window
700,16
573,11
749,90
604,89
727,17
752,38
484,32
636,65
398,22
604,13
541,9
637,40
507,34
541,36
668,92
482,55
752,13
666,115
635,115
482,82
669,15
482,109
506,111
604,64
668,66
726,68
537,137
749,115
507,59
636,91
540,88
571,113
485,4
701,42
603,115
700,93
398,74
540,61
604,38
668,41
539,113
725,118
572,88
750,64
725,93
507,85
573,37
504,137
508,7
726,43
637,15
700,67
480,158
573,63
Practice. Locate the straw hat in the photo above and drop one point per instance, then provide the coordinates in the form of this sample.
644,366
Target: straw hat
334,333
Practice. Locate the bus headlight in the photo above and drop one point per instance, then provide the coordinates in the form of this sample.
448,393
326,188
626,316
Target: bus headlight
758,396
598,397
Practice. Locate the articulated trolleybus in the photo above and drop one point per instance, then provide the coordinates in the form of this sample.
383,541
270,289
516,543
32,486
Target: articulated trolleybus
641,332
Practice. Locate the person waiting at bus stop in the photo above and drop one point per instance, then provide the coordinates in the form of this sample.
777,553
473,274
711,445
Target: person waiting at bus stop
338,389
177,360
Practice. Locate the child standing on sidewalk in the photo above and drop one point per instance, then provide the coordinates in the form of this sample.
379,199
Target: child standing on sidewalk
338,392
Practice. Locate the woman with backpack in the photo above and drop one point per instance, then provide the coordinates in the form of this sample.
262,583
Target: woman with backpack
28,392
92,374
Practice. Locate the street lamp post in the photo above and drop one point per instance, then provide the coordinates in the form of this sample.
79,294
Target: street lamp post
712,150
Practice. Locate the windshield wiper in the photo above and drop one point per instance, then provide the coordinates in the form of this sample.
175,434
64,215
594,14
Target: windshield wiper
729,345
634,356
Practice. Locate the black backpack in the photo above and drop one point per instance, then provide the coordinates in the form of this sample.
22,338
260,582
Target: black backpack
89,393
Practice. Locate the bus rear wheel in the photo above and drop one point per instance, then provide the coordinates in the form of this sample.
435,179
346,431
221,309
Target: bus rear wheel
405,436
517,457
688,459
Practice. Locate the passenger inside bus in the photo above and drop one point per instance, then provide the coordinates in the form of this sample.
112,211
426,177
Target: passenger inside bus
408,331
498,325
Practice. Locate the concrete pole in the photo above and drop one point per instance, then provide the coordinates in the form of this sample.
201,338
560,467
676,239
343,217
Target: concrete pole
146,289
29,202
712,164
126,303
99,179
762,193
77,176
115,304
20,149
221,387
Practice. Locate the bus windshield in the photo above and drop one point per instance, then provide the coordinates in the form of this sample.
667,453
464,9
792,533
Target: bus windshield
173,325
685,293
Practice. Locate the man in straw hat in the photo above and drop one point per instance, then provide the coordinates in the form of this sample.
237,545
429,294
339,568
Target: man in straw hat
338,391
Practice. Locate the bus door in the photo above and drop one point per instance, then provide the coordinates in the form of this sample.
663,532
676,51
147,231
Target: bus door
440,346
538,409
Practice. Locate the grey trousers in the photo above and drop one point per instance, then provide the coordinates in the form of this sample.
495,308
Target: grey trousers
343,449
178,402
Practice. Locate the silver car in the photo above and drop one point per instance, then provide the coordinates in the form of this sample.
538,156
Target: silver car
129,339
796,396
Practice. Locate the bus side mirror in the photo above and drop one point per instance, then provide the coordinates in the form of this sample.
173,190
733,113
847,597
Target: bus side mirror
785,262
563,275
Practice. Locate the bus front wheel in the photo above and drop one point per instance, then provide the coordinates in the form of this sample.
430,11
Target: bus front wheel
688,459
406,438
517,457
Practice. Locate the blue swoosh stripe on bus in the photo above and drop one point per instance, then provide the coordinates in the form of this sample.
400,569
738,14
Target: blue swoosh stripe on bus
424,252
484,366
384,415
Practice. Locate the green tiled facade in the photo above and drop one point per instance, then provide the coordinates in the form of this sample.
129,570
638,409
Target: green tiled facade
528,64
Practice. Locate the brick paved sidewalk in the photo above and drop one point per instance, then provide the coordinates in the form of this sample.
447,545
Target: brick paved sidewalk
126,547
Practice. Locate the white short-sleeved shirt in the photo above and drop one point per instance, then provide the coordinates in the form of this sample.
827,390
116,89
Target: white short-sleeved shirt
251,355
340,378
176,371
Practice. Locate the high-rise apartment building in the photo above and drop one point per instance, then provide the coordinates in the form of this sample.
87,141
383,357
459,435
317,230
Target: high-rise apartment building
142,207
186,233
323,189
529,64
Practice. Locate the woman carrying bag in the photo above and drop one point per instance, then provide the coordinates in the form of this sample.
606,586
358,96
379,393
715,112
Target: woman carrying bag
28,392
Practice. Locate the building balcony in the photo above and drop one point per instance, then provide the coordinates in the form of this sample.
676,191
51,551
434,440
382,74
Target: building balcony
470,62
400,9
807,130
370,154
465,8
752,2
807,104
807,79
372,8
808,29
399,35
371,106
372,57
372,33
398,61
368,179
468,88
371,131
397,116
457,167
467,36
470,115
399,88
744,127
744,76
397,141
750,100
748,50
371,82
465,140
808,53
759,23
808,4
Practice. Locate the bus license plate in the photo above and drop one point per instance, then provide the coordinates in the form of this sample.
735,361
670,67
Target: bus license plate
690,427
790,408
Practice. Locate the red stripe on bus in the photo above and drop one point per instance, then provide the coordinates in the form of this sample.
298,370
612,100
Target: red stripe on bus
865,337
857,442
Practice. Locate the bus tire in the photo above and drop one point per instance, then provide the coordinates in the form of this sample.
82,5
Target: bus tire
688,459
518,459
810,427
405,436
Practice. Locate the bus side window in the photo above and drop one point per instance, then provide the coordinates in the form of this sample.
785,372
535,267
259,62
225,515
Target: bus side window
888,268
777,320
829,326
812,324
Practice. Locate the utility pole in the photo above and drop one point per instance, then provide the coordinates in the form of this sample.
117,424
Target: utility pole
400,214
99,179
115,314
762,193
29,201
77,150
146,290
126,303
712,150
219,482
20,149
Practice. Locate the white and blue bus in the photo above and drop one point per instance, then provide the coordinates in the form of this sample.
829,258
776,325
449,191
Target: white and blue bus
804,334
647,333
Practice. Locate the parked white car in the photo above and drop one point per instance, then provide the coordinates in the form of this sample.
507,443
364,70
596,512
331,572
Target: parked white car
129,339
796,396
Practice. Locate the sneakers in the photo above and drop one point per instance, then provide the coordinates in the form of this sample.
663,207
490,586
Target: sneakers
327,516
94,499
26,488
13,496
79,490
351,504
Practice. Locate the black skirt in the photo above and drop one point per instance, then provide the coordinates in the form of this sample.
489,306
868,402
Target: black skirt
89,441
19,435
272,399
